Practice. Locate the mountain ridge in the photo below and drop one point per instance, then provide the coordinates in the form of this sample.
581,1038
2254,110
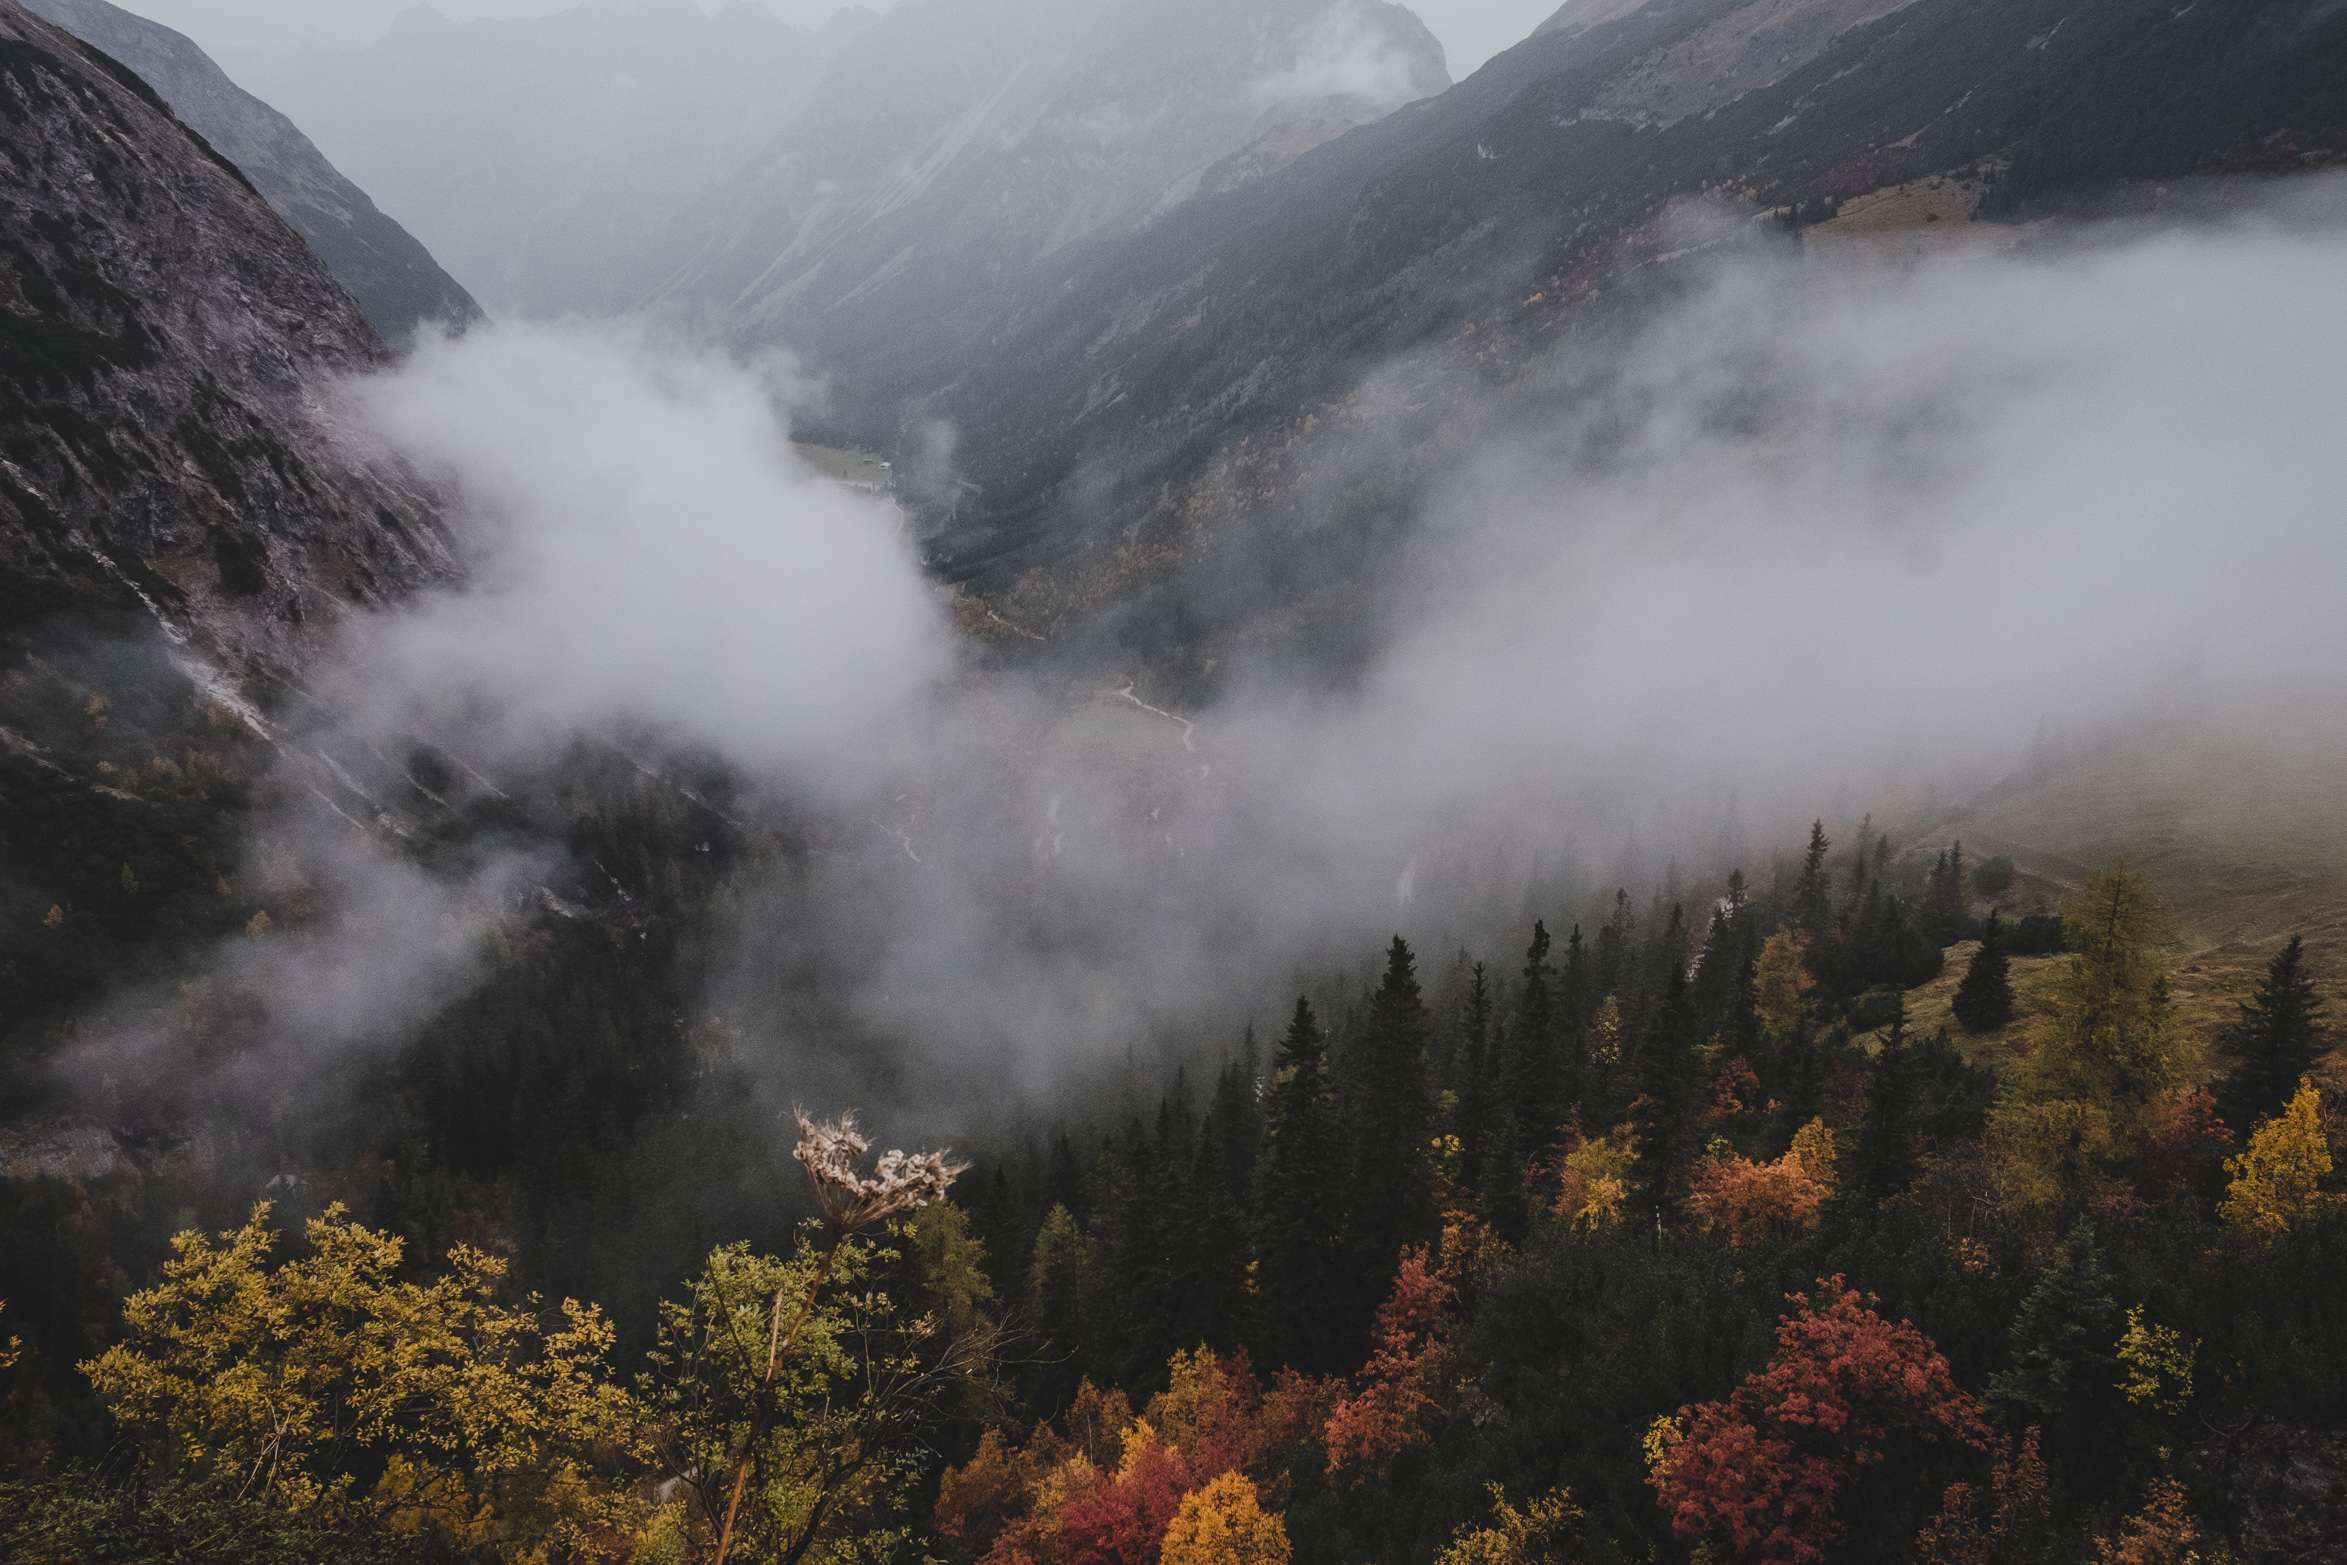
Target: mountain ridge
394,278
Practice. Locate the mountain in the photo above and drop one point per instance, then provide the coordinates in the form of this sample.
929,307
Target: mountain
958,144
179,524
544,158
1136,400
394,279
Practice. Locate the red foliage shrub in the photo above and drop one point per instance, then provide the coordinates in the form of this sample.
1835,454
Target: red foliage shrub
1760,1475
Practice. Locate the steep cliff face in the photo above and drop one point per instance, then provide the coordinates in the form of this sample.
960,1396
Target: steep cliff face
393,277
160,453
180,524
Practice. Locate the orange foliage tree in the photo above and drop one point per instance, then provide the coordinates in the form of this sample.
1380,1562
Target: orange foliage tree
1388,1414
1760,1475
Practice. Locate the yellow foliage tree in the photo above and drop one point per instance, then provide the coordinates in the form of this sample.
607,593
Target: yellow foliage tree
1813,1149
1594,1190
2101,1052
1224,1523
2102,1037
2277,1183
2162,1533
1548,1531
2155,1364
287,1380
1781,984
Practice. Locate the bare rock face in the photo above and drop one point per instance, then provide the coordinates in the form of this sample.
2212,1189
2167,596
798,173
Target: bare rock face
394,278
2288,1486
162,336
181,524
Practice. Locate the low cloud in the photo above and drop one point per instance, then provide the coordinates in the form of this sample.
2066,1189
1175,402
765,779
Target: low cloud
1347,53
648,553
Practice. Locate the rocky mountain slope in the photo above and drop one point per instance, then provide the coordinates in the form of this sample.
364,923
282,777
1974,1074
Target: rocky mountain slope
179,524
1092,412
545,158
958,144
395,280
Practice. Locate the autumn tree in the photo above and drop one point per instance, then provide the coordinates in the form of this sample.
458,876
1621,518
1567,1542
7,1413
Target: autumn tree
2276,1183
1745,1199
1984,1000
2162,1533
2008,1521
2100,1055
1850,1401
1781,985
328,1381
2274,1043
1546,1530
1122,1518
1223,1522
789,1394
2104,1038
1388,1414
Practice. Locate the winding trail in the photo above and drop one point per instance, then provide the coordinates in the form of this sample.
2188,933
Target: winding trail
1189,729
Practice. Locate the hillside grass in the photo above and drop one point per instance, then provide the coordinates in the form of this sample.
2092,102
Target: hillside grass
2238,817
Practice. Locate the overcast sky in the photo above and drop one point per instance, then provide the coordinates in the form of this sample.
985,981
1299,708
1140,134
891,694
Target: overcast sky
240,32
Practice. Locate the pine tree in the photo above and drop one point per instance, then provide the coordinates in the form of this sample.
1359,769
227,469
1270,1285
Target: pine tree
1235,1119
1669,1105
1056,1276
1574,1004
1945,914
1984,1000
2274,1044
1884,1163
1812,897
1393,1172
1298,1206
1481,1090
1533,1084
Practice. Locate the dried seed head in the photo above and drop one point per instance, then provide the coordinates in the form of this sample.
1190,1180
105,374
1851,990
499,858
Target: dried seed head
832,1153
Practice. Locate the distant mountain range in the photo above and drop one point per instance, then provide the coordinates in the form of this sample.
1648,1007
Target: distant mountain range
866,193
1133,402
547,159
394,279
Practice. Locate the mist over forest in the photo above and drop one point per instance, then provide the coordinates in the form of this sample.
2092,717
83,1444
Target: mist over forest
1584,807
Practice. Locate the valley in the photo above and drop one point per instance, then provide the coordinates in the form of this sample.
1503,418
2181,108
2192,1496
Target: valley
1579,808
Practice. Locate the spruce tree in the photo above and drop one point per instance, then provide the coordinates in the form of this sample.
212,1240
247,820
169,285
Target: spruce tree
2274,1043
1298,1206
2065,1360
1984,1000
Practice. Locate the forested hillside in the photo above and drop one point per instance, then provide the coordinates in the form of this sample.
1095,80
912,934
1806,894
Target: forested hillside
1668,1232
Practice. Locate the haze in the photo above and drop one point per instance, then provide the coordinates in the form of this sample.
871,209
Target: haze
263,33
